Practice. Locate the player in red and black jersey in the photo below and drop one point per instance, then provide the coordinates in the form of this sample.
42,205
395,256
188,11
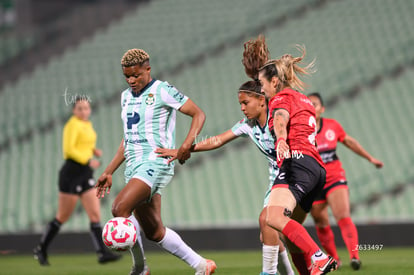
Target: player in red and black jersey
335,192
302,175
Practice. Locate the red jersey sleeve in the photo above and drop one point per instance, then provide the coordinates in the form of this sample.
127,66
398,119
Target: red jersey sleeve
340,132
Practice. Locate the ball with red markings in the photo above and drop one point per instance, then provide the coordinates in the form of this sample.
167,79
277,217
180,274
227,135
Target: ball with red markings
119,234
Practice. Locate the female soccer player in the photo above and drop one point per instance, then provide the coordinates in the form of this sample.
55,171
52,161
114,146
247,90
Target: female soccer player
301,175
254,106
76,181
335,192
148,113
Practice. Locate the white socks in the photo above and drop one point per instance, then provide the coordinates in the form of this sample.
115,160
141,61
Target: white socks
269,256
173,243
137,251
284,266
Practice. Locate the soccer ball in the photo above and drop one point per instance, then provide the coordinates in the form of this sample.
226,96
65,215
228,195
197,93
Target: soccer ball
119,234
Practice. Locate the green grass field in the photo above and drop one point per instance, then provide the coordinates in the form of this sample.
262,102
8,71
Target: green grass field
387,261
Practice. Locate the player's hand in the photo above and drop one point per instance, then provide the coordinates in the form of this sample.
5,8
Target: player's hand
171,154
183,153
282,151
377,162
94,163
103,185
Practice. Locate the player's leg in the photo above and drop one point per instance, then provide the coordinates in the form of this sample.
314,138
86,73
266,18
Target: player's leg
149,216
66,205
306,178
137,251
270,245
301,260
284,265
320,215
274,254
281,205
338,200
137,191
91,205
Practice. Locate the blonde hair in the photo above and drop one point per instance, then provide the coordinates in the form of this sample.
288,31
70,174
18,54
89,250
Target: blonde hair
255,55
287,70
134,57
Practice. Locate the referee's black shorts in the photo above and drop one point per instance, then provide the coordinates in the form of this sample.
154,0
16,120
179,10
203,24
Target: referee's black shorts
304,177
75,178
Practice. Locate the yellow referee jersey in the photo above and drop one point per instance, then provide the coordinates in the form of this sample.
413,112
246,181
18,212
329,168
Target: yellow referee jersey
79,140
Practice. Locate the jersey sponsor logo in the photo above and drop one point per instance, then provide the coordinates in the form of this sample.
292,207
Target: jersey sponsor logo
150,99
133,118
136,141
330,135
178,96
328,156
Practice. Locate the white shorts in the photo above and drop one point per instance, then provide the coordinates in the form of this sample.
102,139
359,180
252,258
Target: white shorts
155,175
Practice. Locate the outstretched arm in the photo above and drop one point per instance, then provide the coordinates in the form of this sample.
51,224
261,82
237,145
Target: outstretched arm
104,183
198,117
208,144
214,142
354,145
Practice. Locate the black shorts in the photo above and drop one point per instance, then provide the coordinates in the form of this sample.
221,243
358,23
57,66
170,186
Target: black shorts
75,178
321,197
304,177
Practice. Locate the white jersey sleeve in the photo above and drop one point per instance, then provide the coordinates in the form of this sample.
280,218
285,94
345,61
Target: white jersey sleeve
172,97
242,128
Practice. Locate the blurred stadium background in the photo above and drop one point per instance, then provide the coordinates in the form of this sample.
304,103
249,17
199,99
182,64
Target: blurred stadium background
51,51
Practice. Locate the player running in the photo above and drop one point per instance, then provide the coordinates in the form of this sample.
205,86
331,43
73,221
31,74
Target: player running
149,115
254,106
301,175
335,193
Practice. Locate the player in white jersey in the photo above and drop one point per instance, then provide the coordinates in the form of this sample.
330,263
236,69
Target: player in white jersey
148,114
255,125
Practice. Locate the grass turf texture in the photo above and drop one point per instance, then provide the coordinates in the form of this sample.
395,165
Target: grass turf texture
385,261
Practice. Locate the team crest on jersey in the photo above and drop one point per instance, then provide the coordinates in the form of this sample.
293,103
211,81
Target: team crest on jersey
330,135
150,99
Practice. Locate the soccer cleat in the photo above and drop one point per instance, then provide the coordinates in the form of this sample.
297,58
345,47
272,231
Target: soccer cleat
355,263
324,266
206,267
107,257
134,271
40,255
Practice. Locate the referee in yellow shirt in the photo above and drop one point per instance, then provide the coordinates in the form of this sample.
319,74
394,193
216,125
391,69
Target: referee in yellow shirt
76,181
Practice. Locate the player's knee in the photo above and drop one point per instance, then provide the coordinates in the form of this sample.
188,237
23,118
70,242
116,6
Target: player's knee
320,221
341,215
262,219
276,217
119,210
